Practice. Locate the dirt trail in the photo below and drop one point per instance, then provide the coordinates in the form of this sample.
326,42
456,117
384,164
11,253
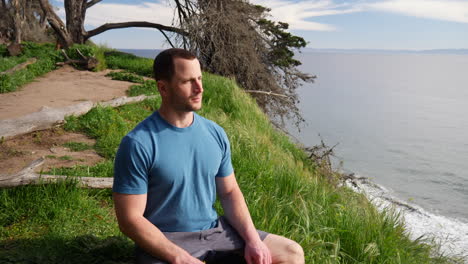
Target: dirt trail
62,87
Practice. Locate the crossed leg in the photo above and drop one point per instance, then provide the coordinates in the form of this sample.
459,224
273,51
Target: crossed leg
284,250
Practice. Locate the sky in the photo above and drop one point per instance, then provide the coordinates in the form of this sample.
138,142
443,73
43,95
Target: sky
324,24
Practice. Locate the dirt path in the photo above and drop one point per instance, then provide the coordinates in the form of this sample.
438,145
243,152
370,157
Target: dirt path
19,152
62,87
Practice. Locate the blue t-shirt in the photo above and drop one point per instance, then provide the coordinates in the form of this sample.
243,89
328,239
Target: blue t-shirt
176,167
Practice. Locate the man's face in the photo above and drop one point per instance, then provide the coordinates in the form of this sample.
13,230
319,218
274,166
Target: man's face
184,92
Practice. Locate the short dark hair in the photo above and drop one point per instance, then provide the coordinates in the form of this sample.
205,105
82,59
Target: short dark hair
163,67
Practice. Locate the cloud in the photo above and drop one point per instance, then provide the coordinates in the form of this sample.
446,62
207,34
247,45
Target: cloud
146,11
298,14
447,10
103,13
294,13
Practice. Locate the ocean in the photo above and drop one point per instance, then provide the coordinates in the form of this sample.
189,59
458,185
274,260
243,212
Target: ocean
401,121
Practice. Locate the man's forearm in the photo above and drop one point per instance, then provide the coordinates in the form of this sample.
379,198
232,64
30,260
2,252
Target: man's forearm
151,239
237,213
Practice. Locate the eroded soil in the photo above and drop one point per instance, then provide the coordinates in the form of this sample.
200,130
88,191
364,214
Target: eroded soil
19,152
62,87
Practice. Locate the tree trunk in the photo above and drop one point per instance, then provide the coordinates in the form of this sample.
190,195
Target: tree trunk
17,20
74,32
56,23
75,13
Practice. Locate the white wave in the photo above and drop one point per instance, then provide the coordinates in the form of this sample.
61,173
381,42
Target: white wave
451,234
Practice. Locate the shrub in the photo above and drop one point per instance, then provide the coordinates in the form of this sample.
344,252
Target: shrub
129,62
125,76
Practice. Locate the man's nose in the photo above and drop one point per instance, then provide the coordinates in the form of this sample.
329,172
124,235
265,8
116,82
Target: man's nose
198,86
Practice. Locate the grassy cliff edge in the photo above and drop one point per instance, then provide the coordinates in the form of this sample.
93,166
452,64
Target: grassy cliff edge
284,190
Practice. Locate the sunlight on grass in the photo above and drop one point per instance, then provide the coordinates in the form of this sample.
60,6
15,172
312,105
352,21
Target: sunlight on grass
285,193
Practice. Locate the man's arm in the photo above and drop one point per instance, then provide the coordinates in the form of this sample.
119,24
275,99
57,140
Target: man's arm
237,213
129,209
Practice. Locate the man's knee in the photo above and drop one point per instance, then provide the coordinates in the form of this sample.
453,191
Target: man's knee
284,250
295,253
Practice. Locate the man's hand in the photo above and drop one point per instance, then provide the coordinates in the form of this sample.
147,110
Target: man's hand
257,253
186,259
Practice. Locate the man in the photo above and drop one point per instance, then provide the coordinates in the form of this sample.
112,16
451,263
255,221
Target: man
168,172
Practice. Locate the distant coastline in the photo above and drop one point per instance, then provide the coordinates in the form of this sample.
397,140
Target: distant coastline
146,53
151,53
384,51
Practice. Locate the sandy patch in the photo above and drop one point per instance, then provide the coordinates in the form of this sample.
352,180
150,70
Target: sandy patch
62,87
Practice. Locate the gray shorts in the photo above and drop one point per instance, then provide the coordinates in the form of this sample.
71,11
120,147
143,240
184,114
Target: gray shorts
210,245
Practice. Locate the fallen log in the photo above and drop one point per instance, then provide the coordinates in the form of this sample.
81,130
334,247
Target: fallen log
28,176
125,100
88,63
50,117
20,66
46,118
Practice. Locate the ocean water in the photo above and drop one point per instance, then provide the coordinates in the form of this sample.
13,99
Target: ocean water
400,120
145,53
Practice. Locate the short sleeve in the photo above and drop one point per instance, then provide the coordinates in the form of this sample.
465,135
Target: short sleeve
225,168
131,168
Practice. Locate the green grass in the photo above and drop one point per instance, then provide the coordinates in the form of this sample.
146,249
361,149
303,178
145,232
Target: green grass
65,157
10,62
131,63
47,57
102,169
59,223
148,87
125,76
77,146
285,193
10,83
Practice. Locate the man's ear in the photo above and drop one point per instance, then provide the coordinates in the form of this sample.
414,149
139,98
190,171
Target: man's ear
162,87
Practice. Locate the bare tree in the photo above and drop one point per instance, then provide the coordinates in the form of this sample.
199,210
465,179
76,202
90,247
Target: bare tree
236,38
6,22
74,32
23,20
232,38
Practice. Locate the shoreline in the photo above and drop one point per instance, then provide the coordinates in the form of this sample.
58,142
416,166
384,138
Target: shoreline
450,233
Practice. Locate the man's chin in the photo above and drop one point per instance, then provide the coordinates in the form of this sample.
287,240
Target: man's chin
197,108
193,107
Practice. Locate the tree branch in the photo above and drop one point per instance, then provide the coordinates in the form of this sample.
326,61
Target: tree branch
55,22
266,93
109,26
91,3
167,38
